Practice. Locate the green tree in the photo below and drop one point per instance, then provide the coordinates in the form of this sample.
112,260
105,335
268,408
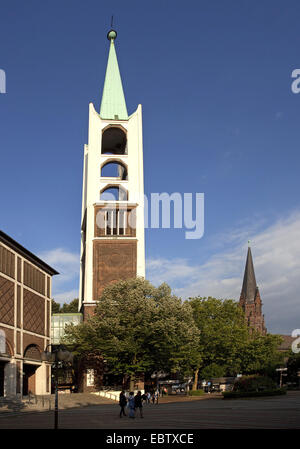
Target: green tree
293,366
227,346
213,370
138,328
260,354
223,334
72,307
55,307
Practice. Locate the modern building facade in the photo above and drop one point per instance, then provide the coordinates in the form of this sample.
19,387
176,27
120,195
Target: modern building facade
112,229
58,323
250,300
25,320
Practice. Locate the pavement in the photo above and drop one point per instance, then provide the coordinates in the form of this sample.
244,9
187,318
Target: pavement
206,412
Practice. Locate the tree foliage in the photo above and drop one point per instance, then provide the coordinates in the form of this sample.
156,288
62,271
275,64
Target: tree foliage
71,307
222,332
293,366
260,354
254,383
227,347
55,306
139,328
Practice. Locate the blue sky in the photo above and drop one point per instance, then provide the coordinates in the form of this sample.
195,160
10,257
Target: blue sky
219,117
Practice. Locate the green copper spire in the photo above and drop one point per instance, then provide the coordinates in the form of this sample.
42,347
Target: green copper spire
113,105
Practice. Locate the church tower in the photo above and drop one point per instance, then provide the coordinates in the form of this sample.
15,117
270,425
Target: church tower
112,227
250,300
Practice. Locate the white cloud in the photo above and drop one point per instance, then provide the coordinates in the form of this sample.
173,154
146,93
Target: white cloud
67,264
276,254
66,296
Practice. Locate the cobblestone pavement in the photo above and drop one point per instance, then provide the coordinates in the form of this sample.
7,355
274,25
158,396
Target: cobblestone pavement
280,412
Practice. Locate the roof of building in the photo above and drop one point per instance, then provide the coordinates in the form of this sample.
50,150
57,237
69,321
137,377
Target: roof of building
113,104
27,254
249,283
287,342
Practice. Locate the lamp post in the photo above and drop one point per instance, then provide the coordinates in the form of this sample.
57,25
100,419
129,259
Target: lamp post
281,371
58,353
158,375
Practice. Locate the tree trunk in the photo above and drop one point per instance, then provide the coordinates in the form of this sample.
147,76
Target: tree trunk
195,384
124,382
131,383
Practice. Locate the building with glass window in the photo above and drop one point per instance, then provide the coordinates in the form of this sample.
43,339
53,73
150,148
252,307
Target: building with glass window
58,323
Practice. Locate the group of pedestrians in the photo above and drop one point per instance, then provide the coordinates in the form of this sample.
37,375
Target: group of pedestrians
135,402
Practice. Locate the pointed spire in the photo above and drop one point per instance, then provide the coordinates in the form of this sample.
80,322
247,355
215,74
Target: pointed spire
249,283
113,105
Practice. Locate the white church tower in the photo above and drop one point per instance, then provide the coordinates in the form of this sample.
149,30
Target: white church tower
112,227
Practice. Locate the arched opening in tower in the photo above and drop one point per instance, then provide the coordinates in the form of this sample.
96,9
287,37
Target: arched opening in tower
114,193
114,169
114,141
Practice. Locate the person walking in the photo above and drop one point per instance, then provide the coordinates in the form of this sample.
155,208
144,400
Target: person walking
131,405
148,397
138,402
144,398
156,396
122,402
153,397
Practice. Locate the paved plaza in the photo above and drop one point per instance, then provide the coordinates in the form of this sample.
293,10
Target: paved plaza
282,412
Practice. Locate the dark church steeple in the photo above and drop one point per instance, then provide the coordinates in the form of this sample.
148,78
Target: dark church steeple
250,300
249,283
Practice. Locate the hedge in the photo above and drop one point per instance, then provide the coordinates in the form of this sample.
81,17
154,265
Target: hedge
252,394
196,392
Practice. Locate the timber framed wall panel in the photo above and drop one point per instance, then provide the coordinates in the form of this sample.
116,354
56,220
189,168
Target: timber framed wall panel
7,301
34,278
33,312
48,286
7,262
19,270
18,306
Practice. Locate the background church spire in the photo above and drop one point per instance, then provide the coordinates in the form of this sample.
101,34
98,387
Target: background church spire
249,282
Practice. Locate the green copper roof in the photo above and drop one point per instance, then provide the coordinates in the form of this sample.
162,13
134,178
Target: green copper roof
113,105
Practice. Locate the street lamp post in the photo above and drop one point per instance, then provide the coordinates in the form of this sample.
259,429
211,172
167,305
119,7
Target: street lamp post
281,371
58,353
158,375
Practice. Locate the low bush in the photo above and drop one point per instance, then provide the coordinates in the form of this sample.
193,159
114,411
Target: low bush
196,392
252,394
254,383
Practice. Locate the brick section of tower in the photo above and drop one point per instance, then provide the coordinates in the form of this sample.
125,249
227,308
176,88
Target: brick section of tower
253,313
114,260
